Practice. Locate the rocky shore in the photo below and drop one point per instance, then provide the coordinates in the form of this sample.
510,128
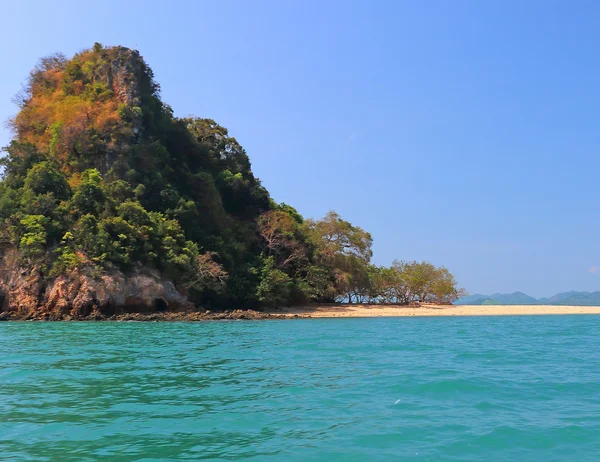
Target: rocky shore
142,295
186,316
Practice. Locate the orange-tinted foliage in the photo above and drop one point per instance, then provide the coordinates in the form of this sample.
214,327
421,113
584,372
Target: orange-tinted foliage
67,112
74,180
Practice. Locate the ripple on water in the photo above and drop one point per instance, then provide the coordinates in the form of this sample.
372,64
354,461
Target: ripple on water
465,389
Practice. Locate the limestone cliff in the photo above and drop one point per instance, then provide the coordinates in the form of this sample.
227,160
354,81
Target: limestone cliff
84,293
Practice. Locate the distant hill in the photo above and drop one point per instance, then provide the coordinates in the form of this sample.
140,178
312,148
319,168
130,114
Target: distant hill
519,298
516,298
475,299
572,298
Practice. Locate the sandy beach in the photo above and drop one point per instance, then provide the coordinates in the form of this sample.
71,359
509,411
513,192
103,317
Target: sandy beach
358,311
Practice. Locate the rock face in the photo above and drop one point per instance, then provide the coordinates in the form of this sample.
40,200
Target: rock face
84,295
25,294
124,75
125,71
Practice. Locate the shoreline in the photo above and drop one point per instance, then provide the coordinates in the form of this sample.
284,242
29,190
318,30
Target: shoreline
363,311
330,311
166,316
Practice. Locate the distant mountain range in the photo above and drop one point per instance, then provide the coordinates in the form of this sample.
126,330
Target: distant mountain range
519,298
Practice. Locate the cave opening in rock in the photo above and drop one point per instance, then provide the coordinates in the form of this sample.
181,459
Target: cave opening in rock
160,305
108,309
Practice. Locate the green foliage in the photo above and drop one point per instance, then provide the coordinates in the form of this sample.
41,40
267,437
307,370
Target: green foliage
43,178
8,201
33,238
319,284
129,113
405,282
275,286
20,157
97,91
55,130
89,198
67,259
334,237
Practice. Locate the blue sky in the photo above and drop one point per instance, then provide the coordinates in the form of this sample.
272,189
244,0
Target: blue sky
464,133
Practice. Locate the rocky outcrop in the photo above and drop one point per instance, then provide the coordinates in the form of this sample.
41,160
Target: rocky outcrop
126,71
187,316
127,74
85,295
26,294
191,316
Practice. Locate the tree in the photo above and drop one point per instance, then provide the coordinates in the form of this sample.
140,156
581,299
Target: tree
428,283
279,231
33,239
7,236
275,288
344,250
44,178
89,197
400,289
353,280
333,237
381,284
444,288
207,273
276,228
318,283
419,279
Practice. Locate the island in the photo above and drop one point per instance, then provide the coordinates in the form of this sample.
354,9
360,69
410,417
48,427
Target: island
111,206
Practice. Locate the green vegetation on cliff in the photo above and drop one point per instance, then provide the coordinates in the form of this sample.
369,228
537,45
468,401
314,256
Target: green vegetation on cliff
101,176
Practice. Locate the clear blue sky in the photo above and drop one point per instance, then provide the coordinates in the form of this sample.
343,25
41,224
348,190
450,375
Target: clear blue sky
460,132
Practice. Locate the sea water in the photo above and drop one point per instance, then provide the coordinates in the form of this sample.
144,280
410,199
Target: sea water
423,389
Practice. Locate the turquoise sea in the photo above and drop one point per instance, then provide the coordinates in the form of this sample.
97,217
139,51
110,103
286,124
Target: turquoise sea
414,389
